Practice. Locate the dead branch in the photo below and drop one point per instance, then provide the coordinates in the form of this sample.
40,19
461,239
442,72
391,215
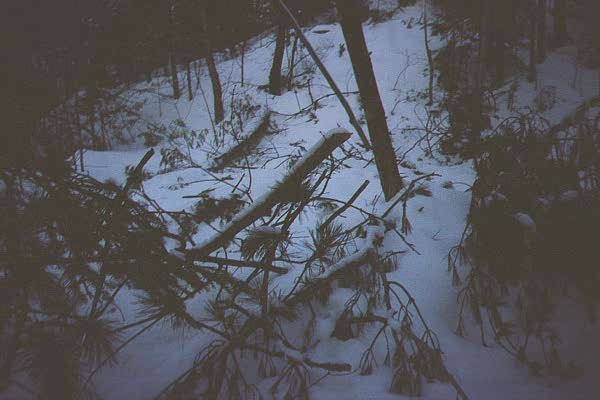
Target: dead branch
242,264
350,201
137,171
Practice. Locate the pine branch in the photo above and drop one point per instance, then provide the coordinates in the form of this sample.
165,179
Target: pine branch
241,264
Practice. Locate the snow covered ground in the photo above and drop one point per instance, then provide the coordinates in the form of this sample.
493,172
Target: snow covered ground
156,357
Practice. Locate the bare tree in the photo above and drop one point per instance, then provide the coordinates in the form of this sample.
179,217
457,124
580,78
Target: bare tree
532,30
216,86
174,78
383,151
212,68
501,24
351,117
541,31
188,72
242,56
429,54
485,35
275,74
172,60
560,22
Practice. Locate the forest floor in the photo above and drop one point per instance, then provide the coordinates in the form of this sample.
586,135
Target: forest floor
156,357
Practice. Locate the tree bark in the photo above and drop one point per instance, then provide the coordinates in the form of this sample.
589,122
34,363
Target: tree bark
171,38
243,56
174,77
501,22
485,34
275,74
212,68
541,31
532,29
290,79
216,86
383,151
560,22
189,81
429,55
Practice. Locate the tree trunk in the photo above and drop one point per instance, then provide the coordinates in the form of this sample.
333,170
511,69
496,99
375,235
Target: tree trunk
560,22
532,29
103,132
486,33
351,117
290,79
275,74
541,32
383,151
429,55
174,77
473,106
216,86
80,132
501,21
452,67
91,106
189,81
243,56
210,63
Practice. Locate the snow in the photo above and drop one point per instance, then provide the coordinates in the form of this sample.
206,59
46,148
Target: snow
494,197
152,360
526,221
545,202
568,196
291,354
269,230
249,129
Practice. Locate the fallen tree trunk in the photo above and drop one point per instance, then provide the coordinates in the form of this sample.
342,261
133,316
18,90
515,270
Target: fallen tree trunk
246,143
281,190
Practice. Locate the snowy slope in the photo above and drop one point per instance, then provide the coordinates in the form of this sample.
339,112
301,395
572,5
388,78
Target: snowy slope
158,355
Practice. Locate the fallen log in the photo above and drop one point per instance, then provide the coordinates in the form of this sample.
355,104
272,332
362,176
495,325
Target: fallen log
246,143
262,206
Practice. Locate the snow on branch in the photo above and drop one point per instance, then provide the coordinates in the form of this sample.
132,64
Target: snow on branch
258,128
262,206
